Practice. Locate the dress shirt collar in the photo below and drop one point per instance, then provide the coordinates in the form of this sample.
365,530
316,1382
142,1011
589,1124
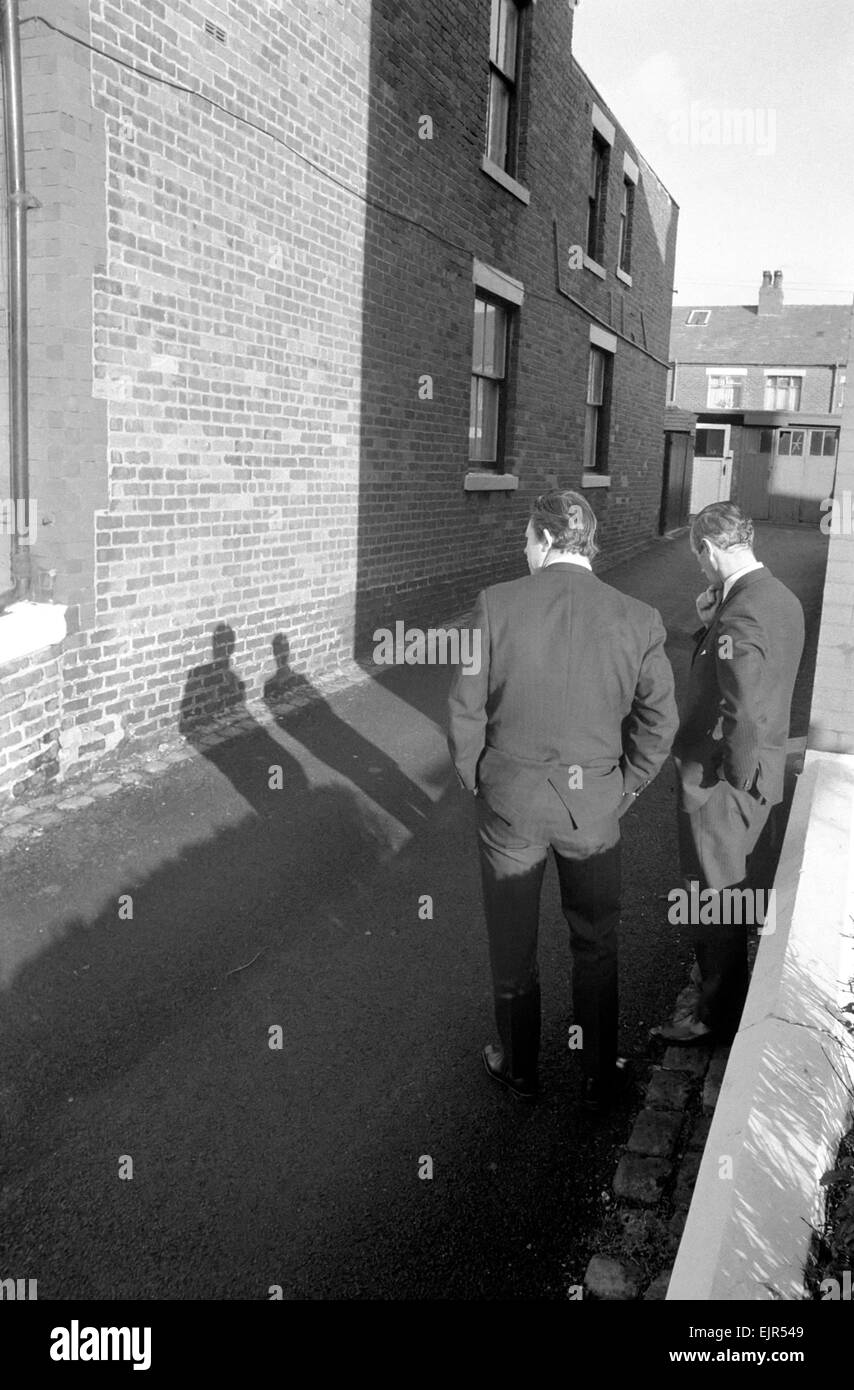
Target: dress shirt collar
581,560
751,565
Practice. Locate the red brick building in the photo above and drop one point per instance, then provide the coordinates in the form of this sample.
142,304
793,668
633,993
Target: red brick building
321,295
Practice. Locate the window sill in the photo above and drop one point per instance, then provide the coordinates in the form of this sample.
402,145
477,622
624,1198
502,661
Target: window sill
595,480
490,482
626,279
29,627
494,171
597,269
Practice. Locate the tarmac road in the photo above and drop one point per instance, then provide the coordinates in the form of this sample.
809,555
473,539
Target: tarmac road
147,1038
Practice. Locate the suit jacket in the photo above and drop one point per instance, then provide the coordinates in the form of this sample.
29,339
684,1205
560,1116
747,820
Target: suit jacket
574,692
736,718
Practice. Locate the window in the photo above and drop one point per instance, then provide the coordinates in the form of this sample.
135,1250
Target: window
725,392
791,442
783,392
596,413
823,444
709,443
489,359
596,195
501,119
627,208
698,317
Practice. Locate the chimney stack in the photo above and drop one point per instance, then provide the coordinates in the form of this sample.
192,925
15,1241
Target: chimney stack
771,295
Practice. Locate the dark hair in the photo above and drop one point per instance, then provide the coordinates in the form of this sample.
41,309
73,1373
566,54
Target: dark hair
724,524
569,519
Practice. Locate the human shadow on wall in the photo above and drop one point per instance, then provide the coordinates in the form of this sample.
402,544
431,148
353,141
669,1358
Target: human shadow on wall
245,752
282,788
314,724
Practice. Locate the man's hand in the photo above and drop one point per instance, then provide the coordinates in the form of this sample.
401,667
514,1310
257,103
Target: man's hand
708,603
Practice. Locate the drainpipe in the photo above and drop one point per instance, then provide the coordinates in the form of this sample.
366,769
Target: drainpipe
18,202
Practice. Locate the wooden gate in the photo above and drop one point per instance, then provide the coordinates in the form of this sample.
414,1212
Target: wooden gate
676,483
754,472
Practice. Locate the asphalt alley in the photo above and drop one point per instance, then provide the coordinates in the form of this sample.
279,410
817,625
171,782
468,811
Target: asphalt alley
147,1038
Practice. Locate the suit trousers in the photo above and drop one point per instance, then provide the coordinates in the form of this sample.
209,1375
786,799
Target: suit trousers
716,849
513,860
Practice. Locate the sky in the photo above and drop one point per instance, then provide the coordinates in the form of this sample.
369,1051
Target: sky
745,110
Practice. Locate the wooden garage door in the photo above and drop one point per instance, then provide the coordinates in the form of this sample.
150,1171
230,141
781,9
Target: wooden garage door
802,475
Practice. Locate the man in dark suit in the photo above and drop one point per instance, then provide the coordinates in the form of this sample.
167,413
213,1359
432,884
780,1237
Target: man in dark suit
569,716
730,751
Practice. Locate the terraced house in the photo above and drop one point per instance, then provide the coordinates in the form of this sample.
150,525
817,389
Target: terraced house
321,294
766,385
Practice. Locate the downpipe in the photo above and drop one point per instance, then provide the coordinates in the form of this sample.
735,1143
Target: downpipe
17,203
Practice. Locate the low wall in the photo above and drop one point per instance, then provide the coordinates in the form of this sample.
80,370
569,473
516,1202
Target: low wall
786,1098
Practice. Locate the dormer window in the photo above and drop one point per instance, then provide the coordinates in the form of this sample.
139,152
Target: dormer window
698,317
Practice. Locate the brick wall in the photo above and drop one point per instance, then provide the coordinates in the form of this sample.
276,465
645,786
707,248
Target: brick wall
30,699
239,275
227,342
418,310
6,578
66,246
692,388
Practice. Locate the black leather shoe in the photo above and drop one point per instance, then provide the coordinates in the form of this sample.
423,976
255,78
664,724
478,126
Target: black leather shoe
600,1093
521,1086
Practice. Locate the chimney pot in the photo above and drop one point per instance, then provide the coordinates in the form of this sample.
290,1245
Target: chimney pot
770,295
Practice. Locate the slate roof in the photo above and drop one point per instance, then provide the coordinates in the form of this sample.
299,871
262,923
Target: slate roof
802,335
